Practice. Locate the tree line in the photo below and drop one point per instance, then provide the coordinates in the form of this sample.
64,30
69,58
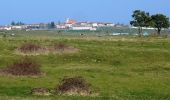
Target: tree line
50,25
144,19
13,23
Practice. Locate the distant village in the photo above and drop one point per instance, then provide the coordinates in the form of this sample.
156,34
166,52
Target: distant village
69,24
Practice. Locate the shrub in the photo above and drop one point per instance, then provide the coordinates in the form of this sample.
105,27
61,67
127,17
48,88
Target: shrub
30,47
40,91
60,46
24,66
74,86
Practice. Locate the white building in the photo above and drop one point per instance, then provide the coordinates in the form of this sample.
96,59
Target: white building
83,28
16,27
109,24
94,24
5,28
61,26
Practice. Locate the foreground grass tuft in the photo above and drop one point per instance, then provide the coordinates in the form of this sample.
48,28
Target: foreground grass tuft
74,86
23,67
29,47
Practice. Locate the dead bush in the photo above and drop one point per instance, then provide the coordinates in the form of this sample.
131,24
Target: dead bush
29,47
60,46
74,86
40,91
25,66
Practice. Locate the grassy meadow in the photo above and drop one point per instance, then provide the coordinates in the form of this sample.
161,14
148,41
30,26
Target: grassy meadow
118,68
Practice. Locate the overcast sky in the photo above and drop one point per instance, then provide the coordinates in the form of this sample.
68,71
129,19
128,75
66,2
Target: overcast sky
35,11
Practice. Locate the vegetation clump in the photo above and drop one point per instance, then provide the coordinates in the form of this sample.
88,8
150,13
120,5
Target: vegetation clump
60,46
30,47
23,67
74,86
64,48
35,49
40,91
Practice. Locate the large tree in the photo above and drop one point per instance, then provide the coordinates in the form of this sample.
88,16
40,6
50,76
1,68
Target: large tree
160,21
13,23
51,25
140,19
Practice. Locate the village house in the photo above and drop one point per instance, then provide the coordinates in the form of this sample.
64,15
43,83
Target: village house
5,28
83,26
32,26
70,22
105,25
77,27
61,26
74,25
16,27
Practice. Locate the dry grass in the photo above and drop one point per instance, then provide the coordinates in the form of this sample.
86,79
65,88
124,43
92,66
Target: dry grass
23,67
74,86
30,47
40,91
34,49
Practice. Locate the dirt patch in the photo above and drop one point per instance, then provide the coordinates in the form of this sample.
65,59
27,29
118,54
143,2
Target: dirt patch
60,46
23,67
30,47
40,91
63,48
34,49
74,86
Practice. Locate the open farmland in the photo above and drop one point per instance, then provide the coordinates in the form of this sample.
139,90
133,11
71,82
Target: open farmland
122,68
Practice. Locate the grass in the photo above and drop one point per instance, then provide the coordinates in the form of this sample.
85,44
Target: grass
122,68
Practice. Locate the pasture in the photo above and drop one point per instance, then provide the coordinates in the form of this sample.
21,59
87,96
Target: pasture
120,68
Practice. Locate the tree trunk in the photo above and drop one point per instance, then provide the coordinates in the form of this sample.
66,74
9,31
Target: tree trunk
140,31
159,31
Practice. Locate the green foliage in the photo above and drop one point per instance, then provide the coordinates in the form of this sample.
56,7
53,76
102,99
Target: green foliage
17,23
51,25
141,19
160,21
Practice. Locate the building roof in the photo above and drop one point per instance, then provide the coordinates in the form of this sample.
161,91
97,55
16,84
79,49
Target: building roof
71,21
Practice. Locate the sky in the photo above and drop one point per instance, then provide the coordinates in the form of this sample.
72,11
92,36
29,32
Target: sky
37,11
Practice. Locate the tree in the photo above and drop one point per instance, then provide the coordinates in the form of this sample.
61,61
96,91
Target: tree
141,19
12,23
51,25
160,21
17,23
20,23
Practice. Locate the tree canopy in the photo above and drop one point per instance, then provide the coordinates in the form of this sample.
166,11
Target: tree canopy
160,21
17,23
51,25
143,19
140,19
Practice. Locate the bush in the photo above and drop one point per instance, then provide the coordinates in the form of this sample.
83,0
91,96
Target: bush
24,66
29,47
40,91
60,46
74,86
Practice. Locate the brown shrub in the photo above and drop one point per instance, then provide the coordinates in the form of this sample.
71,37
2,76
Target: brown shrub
74,86
40,91
60,46
23,67
29,47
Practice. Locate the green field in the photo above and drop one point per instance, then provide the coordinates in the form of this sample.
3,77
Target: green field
120,68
